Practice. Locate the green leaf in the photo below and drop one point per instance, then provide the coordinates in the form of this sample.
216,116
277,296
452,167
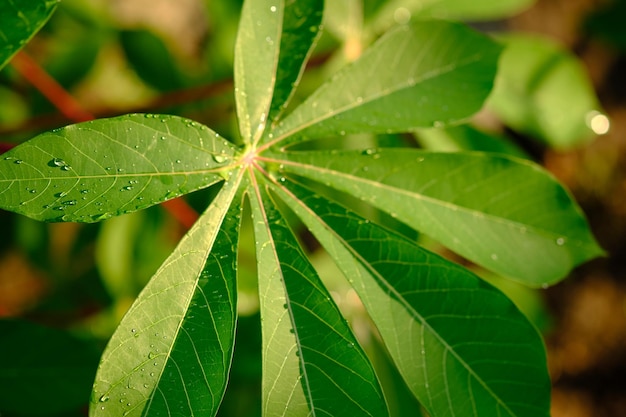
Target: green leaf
462,347
505,214
399,11
151,59
19,21
312,363
402,82
43,371
543,90
467,138
274,40
94,170
172,351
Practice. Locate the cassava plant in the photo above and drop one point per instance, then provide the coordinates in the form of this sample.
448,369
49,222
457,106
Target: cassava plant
461,346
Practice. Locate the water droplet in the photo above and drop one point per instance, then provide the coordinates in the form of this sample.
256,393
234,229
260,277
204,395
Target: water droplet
120,170
70,202
18,161
152,355
84,191
560,241
127,188
33,191
219,158
273,9
104,398
66,168
494,256
544,285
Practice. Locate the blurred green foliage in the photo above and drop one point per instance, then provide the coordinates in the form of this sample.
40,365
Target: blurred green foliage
82,278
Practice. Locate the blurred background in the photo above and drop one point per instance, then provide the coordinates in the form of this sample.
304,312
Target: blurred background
559,100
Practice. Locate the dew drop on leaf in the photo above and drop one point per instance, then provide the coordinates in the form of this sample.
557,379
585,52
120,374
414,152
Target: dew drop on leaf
219,158
104,398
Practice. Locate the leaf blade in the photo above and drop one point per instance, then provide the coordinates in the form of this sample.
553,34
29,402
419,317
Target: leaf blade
412,77
274,41
502,213
91,171
173,348
462,347
20,20
312,363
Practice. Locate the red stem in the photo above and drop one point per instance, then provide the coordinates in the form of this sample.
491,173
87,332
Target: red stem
50,88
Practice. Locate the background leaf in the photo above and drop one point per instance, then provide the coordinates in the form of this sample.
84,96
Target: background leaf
43,371
151,59
94,170
312,363
172,350
401,82
398,11
502,213
462,347
543,90
467,138
19,21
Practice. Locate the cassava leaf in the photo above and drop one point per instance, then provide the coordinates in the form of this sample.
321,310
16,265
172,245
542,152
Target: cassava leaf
19,21
274,40
398,11
505,214
171,353
416,75
462,347
544,91
467,138
94,170
312,363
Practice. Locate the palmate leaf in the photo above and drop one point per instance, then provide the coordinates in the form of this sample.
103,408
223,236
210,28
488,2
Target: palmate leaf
462,347
91,171
503,213
171,353
402,82
312,363
19,21
274,40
